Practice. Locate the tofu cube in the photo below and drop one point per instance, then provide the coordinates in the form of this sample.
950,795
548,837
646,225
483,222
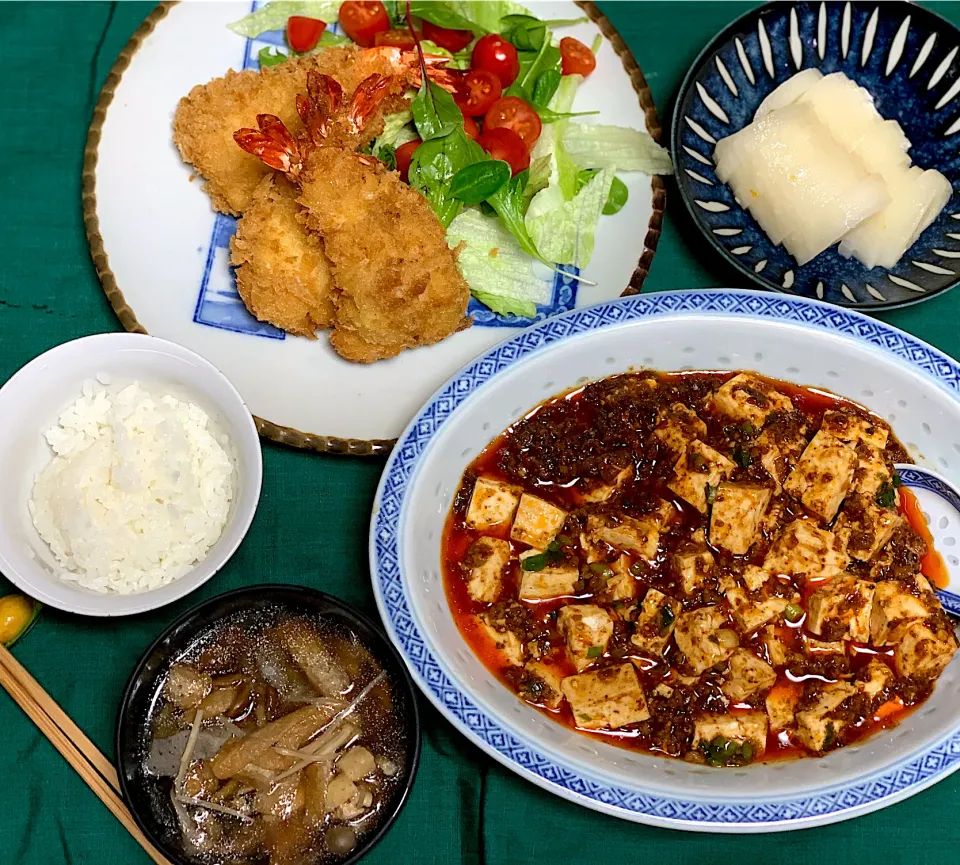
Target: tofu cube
803,550
693,568
677,426
853,428
602,492
815,726
823,476
506,641
774,647
486,561
752,610
749,675
540,684
866,527
781,705
537,522
779,451
923,651
492,504
872,472
874,678
704,639
554,581
737,512
755,578
606,699
655,623
699,467
740,727
622,586
841,609
748,399
635,536
893,604
587,629
814,648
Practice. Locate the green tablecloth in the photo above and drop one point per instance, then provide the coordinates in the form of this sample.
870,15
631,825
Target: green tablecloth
312,523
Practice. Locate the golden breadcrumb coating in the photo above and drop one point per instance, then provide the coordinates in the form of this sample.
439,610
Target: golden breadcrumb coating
398,281
283,275
207,117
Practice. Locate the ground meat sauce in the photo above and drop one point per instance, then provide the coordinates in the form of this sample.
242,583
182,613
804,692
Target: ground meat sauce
693,564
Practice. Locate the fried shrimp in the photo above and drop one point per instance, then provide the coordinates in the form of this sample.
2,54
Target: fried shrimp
398,284
207,117
283,275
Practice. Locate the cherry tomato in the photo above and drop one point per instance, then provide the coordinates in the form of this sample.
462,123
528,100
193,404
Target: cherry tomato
403,154
513,113
477,92
452,40
363,20
498,56
303,34
576,58
470,127
505,144
395,38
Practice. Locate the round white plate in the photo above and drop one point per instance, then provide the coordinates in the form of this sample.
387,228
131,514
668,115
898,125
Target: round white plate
163,254
914,386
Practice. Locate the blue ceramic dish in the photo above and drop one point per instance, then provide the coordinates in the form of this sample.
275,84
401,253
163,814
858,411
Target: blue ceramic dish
905,56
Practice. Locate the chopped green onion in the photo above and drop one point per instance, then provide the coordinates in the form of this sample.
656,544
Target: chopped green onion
594,651
711,494
793,612
742,457
748,429
896,480
887,496
667,617
535,563
553,547
601,568
566,540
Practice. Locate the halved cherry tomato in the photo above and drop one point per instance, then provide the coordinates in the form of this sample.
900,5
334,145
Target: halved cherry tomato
513,113
303,34
452,40
576,58
403,154
396,38
498,56
477,92
470,127
505,144
363,20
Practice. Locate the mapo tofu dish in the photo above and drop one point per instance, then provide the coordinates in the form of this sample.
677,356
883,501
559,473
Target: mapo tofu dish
277,740
717,567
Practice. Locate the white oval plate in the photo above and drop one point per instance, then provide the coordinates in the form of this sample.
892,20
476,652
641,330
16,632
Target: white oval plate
167,252
911,384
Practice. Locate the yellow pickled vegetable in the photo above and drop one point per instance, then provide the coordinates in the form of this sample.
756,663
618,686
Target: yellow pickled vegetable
17,614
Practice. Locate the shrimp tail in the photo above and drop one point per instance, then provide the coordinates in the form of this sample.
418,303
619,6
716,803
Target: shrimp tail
272,144
367,98
317,108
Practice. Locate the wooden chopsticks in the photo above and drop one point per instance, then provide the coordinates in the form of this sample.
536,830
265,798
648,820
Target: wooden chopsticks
72,744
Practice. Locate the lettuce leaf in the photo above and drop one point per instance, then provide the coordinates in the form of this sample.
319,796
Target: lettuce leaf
564,233
494,265
485,14
274,15
619,147
396,130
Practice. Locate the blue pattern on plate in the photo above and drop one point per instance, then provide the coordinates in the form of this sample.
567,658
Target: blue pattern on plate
919,479
901,779
223,308
887,48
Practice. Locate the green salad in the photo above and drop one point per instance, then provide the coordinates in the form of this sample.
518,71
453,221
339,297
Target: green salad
514,174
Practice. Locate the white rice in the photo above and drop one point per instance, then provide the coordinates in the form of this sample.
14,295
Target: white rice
138,491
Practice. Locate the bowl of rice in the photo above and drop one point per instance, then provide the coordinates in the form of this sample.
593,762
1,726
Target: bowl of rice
132,471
